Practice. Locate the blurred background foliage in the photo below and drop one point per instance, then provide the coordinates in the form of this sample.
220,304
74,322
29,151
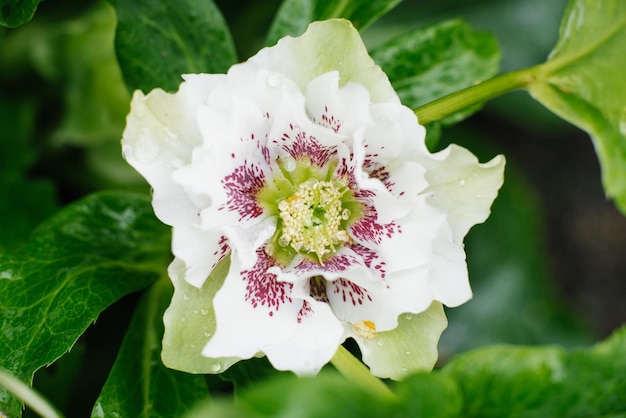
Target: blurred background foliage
546,268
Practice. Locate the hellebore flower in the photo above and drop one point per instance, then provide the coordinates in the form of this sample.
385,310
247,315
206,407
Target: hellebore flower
305,209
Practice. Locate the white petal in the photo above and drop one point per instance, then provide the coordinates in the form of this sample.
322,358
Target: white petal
159,136
345,263
408,291
408,349
200,251
462,187
331,45
343,110
252,310
448,277
314,343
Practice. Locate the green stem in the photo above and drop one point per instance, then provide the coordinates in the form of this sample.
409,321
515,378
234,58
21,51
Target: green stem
446,106
356,372
26,394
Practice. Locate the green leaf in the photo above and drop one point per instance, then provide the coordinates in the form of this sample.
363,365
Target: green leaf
14,13
430,63
158,40
76,264
327,395
543,381
294,16
583,82
139,384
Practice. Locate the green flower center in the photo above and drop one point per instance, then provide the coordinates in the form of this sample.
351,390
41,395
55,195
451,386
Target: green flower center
312,219
313,208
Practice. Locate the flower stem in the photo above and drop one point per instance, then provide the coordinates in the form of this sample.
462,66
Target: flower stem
28,395
356,372
479,93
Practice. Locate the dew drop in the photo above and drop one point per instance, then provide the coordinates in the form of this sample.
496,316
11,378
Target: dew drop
408,353
345,214
461,182
404,369
273,80
192,345
408,316
195,311
185,296
380,343
204,311
146,147
283,241
216,367
289,164
207,334
183,319
478,195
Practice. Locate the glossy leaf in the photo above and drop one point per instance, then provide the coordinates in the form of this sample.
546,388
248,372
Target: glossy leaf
294,16
139,384
429,63
76,264
583,82
543,381
157,41
14,13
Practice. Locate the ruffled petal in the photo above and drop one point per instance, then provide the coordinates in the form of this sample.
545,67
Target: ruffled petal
190,322
331,45
345,263
410,348
253,310
462,187
199,250
343,110
160,134
314,343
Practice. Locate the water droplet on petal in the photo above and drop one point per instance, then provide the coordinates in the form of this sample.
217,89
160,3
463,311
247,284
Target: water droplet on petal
183,319
408,353
380,343
408,316
185,296
461,182
289,164
216,367
478,195
204,311
207,334
195,311
345,214
273,80
404,369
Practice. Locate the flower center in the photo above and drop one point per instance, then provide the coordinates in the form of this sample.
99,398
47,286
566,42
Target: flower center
312,218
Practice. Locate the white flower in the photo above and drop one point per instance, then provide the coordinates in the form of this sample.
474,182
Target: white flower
304,185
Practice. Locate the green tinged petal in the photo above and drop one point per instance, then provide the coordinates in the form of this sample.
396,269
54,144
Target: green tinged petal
190,322
408,349
331,45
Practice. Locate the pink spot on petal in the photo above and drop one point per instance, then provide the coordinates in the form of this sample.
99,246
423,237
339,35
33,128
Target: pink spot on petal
350,292
262,288
298,144
371,259
368,229
241,187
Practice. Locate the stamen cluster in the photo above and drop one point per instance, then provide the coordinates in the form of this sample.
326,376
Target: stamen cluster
312,218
